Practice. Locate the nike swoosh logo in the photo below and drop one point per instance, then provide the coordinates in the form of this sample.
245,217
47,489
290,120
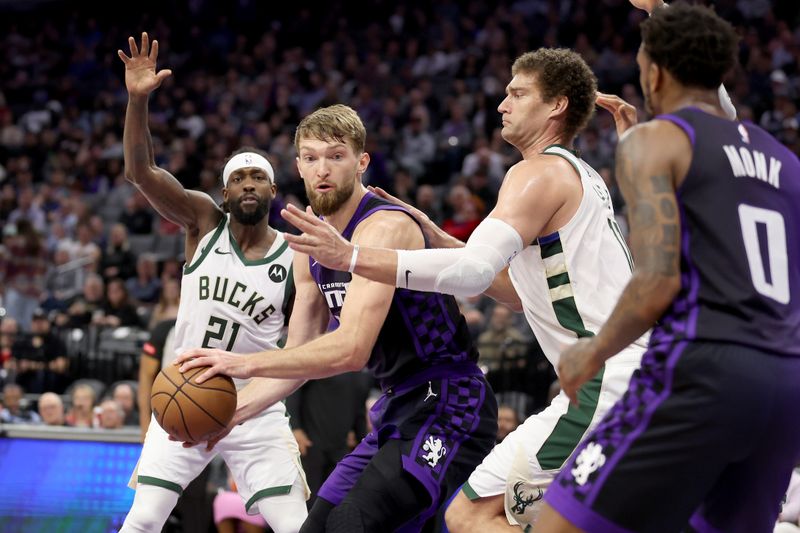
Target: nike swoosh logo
220,252
407,273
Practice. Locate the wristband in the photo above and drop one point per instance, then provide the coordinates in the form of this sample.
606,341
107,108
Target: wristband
353,259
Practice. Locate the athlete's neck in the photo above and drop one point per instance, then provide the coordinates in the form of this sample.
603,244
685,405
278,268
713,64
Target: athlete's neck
704,99
538,144
342,216
255,239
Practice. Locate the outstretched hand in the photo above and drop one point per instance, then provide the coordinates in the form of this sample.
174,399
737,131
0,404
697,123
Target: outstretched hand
141,77
625,116
319,240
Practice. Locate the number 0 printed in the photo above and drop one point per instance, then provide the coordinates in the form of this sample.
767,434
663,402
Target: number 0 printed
777,285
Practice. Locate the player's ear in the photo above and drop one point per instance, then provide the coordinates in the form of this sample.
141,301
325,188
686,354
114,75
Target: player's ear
559,105
363,163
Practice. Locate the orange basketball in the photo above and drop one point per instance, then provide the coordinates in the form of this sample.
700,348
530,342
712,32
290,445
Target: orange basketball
191,411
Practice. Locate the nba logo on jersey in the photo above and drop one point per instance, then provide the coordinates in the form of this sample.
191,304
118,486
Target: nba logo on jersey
744,134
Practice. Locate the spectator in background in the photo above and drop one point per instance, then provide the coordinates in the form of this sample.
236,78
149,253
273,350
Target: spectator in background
230,514
28,210
42,363
507,421
51,409
428,203
483,157
112,416
24,266
118,310
85,248
9,330
83,307
13,411
64,280
137,217
417,146
501,345
81,413
465,213
125,396
145,286
167,307
117,260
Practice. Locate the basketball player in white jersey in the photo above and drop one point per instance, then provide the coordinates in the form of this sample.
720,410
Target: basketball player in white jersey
237,283
554,228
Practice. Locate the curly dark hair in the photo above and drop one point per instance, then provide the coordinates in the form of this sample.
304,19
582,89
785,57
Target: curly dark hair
692,43
562,72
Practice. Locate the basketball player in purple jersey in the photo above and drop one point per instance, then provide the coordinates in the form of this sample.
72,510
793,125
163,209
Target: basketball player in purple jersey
437,417
708,432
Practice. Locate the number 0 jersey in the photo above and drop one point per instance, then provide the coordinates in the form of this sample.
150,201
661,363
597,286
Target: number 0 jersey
570,281
740,238
231,302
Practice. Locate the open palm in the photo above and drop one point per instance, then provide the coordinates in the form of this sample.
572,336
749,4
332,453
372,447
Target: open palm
141,77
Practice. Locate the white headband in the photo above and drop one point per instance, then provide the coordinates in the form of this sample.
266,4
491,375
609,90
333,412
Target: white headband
245,160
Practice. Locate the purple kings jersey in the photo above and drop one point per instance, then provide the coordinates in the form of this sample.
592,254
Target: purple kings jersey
740,239
422,330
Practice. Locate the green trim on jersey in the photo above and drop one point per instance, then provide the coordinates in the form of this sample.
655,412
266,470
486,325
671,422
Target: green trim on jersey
567,159
561,294
288,290
551,248
571,427
621,240
265,493
469,492
164,484
256,262
187,269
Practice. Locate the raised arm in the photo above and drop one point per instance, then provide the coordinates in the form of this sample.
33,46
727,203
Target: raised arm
193,210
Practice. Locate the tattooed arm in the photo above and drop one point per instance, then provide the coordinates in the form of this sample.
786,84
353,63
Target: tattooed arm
652,159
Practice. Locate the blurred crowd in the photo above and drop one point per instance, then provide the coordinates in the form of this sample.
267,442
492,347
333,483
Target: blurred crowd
83,252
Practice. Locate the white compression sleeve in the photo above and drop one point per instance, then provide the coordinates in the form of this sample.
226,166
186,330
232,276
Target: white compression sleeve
463,271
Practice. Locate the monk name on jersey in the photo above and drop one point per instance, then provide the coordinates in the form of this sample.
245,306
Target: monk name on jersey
237,295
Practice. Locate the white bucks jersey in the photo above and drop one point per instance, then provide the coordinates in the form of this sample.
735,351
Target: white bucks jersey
231,302
570,281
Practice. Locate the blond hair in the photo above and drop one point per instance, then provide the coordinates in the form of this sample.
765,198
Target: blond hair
337,122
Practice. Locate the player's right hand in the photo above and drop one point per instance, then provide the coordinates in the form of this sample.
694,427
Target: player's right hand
141,77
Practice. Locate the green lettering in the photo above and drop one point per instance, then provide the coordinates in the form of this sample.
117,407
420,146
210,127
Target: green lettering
239,285
204,287
217,296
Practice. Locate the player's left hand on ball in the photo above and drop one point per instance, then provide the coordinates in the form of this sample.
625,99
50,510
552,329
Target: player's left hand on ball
578,364
218,361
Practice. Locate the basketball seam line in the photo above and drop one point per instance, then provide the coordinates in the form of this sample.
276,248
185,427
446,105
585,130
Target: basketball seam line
178,389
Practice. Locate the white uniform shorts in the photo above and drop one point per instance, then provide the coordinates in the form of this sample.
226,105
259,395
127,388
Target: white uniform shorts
528,459
261,454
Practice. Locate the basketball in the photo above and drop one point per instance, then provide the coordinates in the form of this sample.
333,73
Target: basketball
191,411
